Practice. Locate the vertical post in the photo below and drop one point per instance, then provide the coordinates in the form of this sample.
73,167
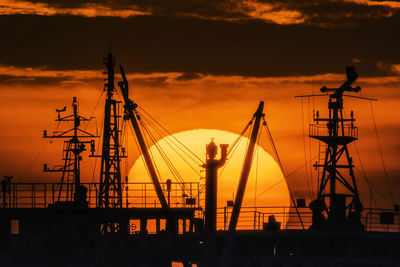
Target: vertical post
224,218
52,192
212,165
33,195
45,195
254,219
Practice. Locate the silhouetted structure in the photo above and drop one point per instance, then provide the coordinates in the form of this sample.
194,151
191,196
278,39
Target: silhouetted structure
212,165
337,132
40,228
72,150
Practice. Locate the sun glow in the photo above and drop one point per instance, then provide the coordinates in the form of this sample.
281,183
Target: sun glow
266,184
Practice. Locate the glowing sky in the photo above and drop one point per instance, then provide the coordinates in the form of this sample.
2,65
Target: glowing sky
202,64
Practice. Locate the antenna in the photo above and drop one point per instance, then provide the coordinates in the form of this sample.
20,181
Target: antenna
338,195
73,147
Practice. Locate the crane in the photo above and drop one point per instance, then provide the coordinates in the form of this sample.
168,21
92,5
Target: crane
258,115
130,109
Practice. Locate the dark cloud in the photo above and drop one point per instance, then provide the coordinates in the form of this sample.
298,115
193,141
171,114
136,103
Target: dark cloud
31,81
149,44
317,12
188,76
153,81
335,13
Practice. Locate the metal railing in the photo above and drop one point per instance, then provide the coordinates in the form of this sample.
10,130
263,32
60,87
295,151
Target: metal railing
322,130
40,195
256,218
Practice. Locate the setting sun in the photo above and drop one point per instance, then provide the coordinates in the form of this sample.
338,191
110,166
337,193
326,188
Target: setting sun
266,185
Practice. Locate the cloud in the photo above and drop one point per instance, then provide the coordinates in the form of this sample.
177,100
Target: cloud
269,12
43,76
189,76
150,44
391,4
90,10
326,13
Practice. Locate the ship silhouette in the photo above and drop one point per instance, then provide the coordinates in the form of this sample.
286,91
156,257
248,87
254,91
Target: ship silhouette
113,222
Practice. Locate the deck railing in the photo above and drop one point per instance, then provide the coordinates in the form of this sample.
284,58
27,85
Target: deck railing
40,195
321,130
142,195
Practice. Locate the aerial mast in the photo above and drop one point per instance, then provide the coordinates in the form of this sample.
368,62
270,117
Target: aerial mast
337,182
73,148
110,191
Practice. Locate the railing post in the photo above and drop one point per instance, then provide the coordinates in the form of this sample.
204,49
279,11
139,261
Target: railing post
254,219
33,195
224,218
284,216
52,193
45,195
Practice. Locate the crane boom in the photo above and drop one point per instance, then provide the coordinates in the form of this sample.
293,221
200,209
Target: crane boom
258,115
246,168
130,107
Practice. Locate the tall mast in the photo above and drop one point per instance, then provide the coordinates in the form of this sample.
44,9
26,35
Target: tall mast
337,181
110,191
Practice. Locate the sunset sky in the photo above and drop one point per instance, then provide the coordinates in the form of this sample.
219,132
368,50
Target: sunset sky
197,64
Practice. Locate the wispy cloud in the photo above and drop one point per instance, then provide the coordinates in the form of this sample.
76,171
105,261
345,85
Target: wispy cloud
11,7
392,4
270,12
67,77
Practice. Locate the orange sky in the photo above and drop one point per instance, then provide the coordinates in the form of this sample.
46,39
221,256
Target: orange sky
202,64
210,102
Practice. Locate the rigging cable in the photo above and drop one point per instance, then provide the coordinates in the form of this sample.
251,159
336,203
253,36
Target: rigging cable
285,178
380,153
170,166
171,135
305,148
231,151
34,159
309,149
170,144
257,160
283,171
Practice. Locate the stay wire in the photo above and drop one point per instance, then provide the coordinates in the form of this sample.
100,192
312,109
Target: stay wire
94,109
34,159
170,134
232,149
170,166
309,150
285,178
257,162
149,150
240,136
165,139
283,171
381,154
235,145
305,149
139,150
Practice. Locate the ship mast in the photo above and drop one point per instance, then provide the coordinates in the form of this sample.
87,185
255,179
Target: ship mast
110,188
73,148
337,182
